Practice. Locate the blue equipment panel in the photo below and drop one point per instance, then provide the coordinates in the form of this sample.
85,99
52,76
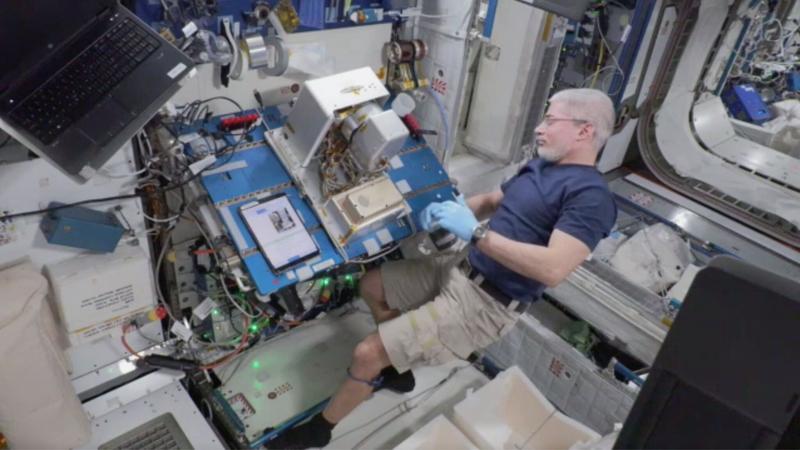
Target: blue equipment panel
81,227
256,172
745,103
793,80
265,280
313,14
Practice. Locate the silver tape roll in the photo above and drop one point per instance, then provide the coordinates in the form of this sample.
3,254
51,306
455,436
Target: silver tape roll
260,55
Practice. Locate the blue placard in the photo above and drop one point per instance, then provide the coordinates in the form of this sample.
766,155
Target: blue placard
313,14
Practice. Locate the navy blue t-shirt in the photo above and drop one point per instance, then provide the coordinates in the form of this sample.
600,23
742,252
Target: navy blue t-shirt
543,197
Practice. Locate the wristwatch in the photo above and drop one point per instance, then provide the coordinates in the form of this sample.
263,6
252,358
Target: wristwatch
479,233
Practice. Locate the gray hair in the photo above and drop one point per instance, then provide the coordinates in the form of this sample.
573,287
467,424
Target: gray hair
591,105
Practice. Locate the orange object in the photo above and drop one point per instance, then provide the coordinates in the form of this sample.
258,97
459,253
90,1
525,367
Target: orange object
159,313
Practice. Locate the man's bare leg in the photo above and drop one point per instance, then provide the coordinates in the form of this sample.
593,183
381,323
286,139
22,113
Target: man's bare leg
369,358
371,288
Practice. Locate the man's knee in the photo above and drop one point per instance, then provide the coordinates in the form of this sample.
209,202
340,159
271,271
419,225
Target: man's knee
370,357
371,286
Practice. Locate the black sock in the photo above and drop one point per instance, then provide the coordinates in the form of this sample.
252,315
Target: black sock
397,382
316,432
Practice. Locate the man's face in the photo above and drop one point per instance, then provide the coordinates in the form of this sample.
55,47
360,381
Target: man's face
557,134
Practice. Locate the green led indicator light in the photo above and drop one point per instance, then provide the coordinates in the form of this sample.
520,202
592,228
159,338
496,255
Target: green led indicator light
215,311
348,278
256,364
254,328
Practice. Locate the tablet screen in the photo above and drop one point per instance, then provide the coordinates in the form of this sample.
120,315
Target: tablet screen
279,232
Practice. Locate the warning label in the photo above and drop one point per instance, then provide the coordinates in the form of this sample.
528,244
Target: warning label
119,299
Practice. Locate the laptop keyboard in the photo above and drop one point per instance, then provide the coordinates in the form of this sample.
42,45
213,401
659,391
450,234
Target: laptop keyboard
77,88
163,432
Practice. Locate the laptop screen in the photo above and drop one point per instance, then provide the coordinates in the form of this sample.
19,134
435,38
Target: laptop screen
31,30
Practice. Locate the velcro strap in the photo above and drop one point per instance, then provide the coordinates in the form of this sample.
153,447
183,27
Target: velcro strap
374,383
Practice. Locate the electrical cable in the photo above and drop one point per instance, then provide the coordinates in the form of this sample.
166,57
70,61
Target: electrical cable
227,358
167,220
210,415
68,205
139,139
434,16
125,343
219,264
216,165
159,261
192,112
611,54
148,338
109,174
600,60
445,123
377,256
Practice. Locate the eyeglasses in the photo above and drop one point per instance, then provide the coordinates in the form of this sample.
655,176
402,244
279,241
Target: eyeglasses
551,120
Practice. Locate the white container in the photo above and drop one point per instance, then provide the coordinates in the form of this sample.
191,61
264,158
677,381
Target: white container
438,434
560,431
509,412
95,294
568,379
381,137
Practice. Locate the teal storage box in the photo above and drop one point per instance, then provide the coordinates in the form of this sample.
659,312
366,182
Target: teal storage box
80,227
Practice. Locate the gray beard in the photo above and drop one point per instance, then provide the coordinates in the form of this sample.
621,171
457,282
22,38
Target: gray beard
549,155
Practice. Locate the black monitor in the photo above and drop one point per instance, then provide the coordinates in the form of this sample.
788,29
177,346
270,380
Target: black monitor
728,373
32,30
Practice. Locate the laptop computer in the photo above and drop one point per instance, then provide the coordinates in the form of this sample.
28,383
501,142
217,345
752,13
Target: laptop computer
79,79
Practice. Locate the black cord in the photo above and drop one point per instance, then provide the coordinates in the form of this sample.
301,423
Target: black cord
353,134
230,152
413,65
193,111
69,205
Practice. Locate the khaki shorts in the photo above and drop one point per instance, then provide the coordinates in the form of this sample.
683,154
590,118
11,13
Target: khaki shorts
445,315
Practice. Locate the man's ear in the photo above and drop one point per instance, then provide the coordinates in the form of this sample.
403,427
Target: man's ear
586,131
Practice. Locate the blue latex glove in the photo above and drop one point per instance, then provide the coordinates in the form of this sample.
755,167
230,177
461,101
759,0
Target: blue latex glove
455,218
426,216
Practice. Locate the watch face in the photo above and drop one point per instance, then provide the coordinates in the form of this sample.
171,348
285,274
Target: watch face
480,233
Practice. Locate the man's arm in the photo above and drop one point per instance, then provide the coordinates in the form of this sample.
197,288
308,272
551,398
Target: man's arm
484,205
548,265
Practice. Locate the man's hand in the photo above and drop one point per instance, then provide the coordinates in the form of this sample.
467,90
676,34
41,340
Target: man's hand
454,217
426,217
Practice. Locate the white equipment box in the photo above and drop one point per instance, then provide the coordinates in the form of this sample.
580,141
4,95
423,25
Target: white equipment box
351,101
315,109
95,294
438,434
510,412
